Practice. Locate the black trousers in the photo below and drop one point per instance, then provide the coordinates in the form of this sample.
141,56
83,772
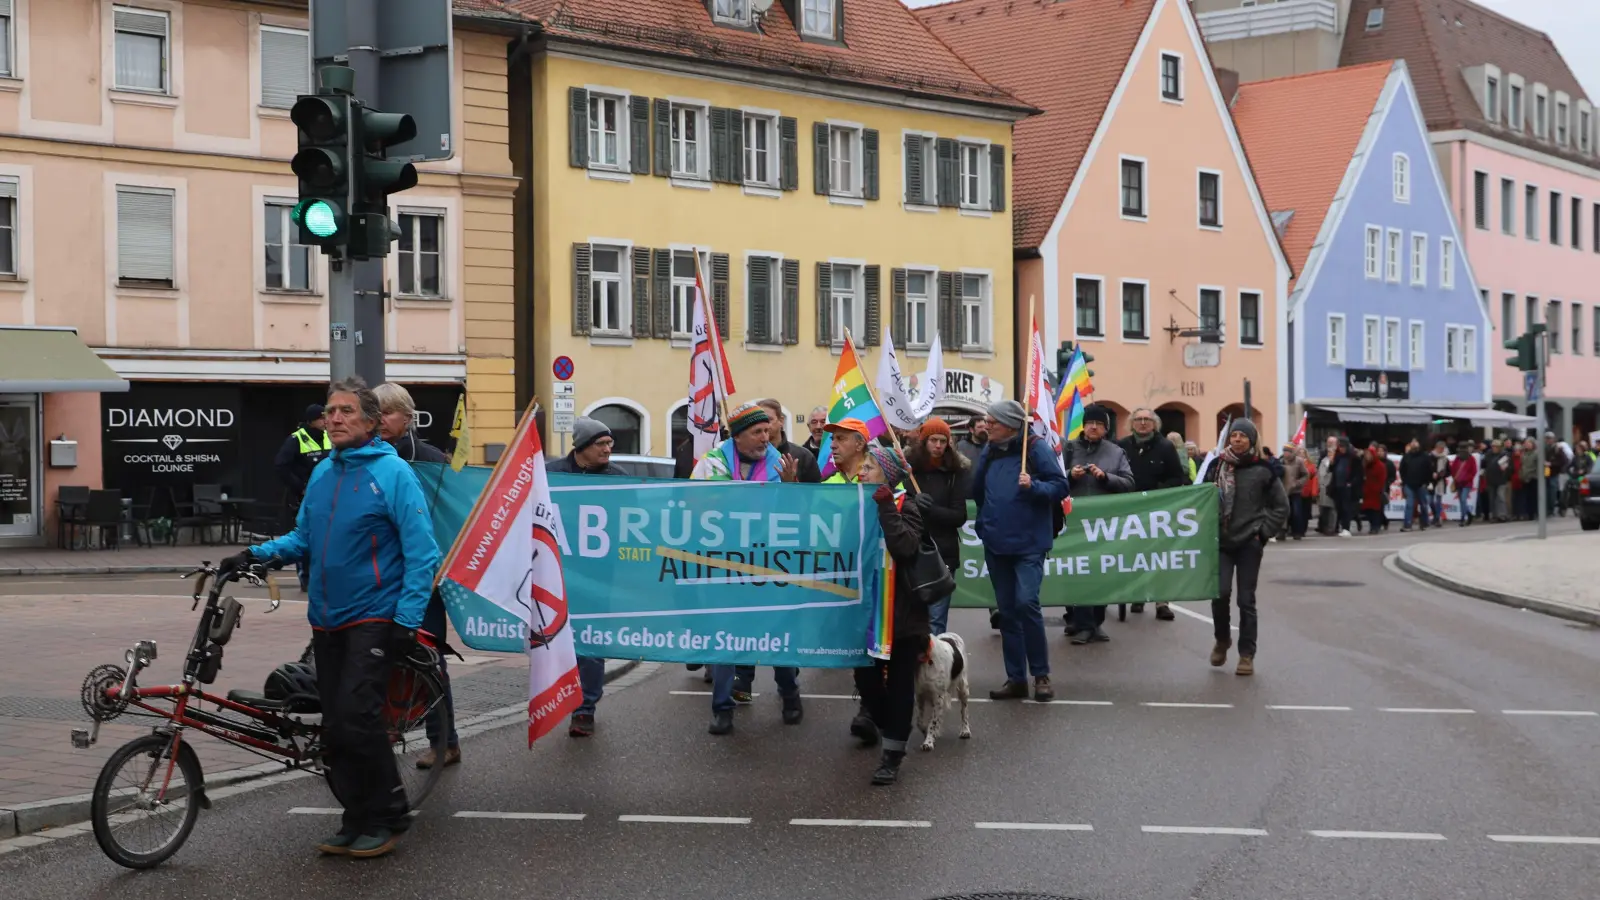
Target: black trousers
1244,563
1084,618
353,681
888,690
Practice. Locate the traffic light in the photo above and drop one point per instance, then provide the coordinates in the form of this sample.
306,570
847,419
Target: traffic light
1064,356
1528,346
375,177
322,164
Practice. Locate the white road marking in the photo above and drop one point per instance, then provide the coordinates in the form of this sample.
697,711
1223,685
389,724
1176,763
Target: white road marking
1427,710
1542,839
1187,705
688,820
1310,708
1549,712
1031,826
533,816
315,811
1070,702
861,823
1381,835
1202,829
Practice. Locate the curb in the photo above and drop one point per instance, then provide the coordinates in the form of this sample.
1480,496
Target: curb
1404,561
67,816
95,570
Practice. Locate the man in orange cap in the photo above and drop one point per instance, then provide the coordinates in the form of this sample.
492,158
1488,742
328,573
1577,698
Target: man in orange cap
850,440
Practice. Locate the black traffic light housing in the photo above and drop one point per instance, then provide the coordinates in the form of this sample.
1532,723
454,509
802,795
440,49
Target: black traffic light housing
1528,346
322,165
1064,358
375,177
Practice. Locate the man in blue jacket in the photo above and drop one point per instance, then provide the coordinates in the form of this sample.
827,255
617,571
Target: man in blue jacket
366,535
1016,522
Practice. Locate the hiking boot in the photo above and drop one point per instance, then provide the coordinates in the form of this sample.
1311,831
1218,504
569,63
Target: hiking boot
741,692
1164,612
1137,609
1098,636
339,844
888,768
792,711
1219,653
582,726
1247,666
1011,690
377,842
721,722
994,619
1042,691
452,756
1080,637
863,728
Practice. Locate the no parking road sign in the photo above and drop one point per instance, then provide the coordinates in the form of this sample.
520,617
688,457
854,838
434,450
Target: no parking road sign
563,368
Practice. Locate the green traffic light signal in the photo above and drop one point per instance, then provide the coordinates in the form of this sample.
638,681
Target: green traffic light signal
316,216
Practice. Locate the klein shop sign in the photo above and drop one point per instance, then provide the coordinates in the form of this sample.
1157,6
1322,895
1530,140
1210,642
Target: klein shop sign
1377,384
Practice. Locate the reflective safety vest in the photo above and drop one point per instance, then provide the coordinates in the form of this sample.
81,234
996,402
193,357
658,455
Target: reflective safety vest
309,446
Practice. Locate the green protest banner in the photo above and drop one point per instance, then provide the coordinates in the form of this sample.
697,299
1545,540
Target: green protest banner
1118,548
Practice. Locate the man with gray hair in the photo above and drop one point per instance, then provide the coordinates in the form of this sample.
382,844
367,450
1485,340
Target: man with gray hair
814,423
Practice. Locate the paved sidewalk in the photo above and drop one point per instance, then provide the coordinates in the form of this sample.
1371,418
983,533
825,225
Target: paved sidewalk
129,560
1554,576
58,638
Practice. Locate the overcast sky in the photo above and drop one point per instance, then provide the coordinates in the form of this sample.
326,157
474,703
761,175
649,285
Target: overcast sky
1575,26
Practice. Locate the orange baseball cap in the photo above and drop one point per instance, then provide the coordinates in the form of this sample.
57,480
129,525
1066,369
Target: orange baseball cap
849,426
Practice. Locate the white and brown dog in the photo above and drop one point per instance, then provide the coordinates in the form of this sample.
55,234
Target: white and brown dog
943,675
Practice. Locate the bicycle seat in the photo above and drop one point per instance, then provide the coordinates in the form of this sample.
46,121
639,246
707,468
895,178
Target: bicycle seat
256,700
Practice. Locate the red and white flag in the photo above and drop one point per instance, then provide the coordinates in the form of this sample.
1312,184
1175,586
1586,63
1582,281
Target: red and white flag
508,554
710,379
1040,400
1300,433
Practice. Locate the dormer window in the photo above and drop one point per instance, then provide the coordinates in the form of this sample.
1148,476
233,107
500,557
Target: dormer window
1541,106
1514,111
1561,122
731,12
1491,95
819,18
1375,19
1585,126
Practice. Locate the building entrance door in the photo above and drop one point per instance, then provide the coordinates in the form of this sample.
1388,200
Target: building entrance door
20,479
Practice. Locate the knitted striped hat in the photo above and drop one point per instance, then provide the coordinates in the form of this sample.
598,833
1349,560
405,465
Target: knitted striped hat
744,416
890,461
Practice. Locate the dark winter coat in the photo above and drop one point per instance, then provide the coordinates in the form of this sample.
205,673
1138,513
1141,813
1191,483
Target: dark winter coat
1260,506
1155,463
1416,469
902,537
1348,473
945,509
408,448
810,472
569,465
1011,522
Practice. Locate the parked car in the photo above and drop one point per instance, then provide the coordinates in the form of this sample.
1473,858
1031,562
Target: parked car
1589,499
643,466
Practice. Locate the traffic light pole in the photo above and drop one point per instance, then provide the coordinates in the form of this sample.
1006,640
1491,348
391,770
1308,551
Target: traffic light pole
1538,440
356,287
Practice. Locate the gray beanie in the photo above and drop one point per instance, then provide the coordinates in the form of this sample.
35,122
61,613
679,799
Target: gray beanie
586,431
1246,428
1009,413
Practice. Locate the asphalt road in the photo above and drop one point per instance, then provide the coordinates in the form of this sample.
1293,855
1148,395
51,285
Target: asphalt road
1397,742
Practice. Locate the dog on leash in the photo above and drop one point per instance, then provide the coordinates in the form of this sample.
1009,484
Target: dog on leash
942,676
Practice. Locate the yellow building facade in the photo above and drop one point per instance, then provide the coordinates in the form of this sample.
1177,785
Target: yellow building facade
813,203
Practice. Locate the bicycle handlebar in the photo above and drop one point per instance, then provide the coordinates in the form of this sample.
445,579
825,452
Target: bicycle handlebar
256,575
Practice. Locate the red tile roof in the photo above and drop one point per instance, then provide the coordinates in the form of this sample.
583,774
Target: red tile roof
1300,134
1063,57
1439,39
885,46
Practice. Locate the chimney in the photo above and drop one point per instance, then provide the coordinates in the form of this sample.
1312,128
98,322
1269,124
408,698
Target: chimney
1228,83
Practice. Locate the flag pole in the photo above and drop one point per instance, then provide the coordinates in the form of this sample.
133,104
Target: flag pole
892,435
516,439
1028,388
717,362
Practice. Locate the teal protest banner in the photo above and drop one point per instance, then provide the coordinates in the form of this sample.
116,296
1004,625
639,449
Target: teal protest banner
1117,548
692,571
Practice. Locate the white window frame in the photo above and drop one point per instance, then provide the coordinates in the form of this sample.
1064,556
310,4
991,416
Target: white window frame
1508,207
305,87
166,51
1493,90
1516,102
1401,164
1371,341
1563,127
132,281
775,285
1222,308
282,206
1447,263
416,253
929,298
1144,188
1374,253
1469,348
1541,116
624,102
965,147
737,12
683,111
1575,311
851,134
12,226
687,285
1393,358
1122,310
1585,126
1338,337
623,279
857,298
1416,344
1392,250
1100,313
832,7
985,308
1419,259
1199,208
773,152
1530,224
1161,76
8,41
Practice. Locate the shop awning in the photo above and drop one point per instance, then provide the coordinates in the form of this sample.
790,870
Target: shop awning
50,360
1488,417
1376,414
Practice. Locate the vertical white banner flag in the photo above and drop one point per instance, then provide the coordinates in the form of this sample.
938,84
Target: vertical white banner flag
706,389
901,405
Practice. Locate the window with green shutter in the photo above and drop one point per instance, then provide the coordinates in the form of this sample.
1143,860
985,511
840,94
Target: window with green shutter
759,299
919,166
948,154
719,291
789,151
791,301
580,289
872,287
824,304
997,177
643,325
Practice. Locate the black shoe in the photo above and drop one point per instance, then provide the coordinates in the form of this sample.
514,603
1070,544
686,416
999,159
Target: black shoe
1098,637
792,712
1165,613
1011,690
1080,637
865,729
693,667
888,768
1137,609
994,619
721,722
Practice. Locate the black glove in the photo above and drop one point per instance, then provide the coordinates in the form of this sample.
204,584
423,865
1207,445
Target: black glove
925,501
402,641
241,560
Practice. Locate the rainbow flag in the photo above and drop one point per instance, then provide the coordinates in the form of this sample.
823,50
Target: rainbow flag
881,641
1073,381
852,399
1072,420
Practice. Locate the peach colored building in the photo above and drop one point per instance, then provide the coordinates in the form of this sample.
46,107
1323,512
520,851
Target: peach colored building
144,192
1140,231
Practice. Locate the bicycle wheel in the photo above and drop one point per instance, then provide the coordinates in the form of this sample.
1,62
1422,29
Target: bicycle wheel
414,695
141,815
